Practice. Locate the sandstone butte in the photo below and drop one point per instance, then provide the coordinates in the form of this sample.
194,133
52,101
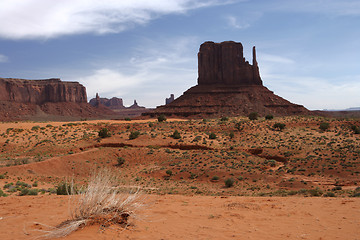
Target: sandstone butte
21,99
228,85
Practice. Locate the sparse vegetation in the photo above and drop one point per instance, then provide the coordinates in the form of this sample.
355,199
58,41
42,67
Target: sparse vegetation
229,182
253,116
269,117
104,133
279,126
134,135
212,136
176,135
161,118
120,161
324,126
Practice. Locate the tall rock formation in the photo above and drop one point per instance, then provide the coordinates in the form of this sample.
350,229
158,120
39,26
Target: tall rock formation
227,85
224,64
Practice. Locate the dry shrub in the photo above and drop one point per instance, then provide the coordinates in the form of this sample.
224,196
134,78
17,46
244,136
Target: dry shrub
98,203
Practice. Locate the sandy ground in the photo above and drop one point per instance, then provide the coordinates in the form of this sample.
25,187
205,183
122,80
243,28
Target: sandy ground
196,217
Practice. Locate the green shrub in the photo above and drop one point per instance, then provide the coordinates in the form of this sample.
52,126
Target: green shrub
2,194
224,119
329,194
35,128
22,184
161,118
176,135
169,172
27,191
2,176
127,119
231,135
120,161
315,192
279,126
253,116
104,133
337,188
229,182
355,129
134,135
212,136
215,178
65,189
239,126
269,117
324,126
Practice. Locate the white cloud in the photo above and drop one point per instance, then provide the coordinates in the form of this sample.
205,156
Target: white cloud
154,71
276,59
235,23
316,93
30,19
3,58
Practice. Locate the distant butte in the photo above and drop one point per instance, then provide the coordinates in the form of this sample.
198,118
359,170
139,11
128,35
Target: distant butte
46,99
228,85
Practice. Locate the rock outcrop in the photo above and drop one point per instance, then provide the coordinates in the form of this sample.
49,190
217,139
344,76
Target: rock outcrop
41,91
112,103
170,99
136,106
49,99
228,85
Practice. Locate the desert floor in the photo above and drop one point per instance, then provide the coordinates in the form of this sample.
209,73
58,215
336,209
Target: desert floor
196,217
299,182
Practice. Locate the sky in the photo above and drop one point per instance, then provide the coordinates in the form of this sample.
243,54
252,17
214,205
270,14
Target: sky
308,51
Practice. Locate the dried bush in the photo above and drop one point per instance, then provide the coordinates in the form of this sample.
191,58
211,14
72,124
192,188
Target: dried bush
98,203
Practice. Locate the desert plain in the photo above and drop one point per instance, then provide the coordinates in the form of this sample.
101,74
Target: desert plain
216,178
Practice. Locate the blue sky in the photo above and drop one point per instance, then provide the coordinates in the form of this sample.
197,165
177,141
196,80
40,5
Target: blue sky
308,50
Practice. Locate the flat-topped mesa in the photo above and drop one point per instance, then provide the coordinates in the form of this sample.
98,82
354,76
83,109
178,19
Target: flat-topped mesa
224,64
41,91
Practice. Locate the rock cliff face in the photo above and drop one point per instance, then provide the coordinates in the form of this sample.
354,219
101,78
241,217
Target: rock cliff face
50,99
41,91
227,86
224,64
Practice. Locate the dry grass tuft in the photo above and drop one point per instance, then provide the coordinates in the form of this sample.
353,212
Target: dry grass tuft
98,203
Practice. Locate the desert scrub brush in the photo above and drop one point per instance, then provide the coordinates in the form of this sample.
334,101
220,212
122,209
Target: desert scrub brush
100,203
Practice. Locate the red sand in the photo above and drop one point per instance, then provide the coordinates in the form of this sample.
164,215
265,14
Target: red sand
197,217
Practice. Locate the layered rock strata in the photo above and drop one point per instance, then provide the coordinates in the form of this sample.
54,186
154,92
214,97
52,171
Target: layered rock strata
48,99
41,91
